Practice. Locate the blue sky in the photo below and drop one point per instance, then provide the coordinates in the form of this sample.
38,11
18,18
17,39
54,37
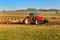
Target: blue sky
24,4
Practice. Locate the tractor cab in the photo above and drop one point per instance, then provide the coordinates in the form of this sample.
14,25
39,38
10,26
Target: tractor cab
32,15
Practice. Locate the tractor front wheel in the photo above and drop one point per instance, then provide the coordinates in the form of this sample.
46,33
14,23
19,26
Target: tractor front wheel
36,22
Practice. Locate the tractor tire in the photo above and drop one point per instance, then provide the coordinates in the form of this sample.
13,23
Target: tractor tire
36,22
27,21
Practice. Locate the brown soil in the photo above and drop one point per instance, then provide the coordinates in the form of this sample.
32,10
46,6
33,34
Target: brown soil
53,23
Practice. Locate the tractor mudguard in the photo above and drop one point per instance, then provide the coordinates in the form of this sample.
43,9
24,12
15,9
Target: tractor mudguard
29,17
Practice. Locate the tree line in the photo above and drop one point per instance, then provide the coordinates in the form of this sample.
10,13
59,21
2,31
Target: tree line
34,9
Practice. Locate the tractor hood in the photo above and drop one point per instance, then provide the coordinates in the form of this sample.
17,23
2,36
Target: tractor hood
39,18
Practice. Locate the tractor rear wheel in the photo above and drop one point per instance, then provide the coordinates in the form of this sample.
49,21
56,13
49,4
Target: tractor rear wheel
27,21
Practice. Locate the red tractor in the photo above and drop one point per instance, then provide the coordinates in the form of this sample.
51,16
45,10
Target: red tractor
34,18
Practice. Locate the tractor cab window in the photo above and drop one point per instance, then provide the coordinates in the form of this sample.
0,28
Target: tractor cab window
32,15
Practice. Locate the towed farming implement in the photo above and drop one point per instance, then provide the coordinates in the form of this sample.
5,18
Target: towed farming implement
31,18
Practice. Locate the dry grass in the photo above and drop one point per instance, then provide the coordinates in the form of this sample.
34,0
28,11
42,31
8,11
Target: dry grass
22,14
29,32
